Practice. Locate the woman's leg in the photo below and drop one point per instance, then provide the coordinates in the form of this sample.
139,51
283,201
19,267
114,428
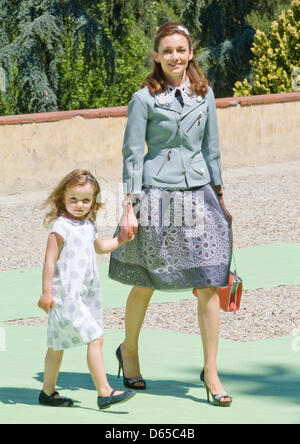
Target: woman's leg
209,323
96,366
53,362
136,307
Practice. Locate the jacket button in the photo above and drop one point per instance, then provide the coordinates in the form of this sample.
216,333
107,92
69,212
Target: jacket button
201,171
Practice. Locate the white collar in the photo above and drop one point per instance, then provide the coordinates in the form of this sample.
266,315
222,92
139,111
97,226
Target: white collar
169,95
182,87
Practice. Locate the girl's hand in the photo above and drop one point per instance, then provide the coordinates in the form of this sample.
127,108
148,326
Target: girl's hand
126,235
46,302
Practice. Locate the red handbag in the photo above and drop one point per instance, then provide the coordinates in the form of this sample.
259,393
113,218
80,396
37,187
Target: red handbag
230,296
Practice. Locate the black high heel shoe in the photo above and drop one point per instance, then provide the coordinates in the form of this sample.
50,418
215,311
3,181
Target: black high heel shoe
217,397
202,376
129,382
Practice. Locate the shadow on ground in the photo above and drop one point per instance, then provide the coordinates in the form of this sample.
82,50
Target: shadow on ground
270,381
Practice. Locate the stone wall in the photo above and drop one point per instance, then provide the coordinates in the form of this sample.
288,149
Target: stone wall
37,150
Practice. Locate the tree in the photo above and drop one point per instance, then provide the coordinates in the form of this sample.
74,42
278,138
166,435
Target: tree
76,53
88,88
31,42
262,21
275,56
226,37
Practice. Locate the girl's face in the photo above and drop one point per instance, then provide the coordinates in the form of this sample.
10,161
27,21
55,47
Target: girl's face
174,56
78,200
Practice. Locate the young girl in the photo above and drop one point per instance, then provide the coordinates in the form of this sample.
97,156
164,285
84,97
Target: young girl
71,287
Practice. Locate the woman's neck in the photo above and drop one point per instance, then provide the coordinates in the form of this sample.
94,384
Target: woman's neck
176,82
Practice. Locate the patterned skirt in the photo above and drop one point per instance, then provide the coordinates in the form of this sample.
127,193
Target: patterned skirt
183,241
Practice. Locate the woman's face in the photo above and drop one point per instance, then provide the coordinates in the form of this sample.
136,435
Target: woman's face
174,56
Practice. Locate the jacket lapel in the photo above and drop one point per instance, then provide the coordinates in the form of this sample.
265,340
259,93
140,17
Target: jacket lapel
169,103
189,107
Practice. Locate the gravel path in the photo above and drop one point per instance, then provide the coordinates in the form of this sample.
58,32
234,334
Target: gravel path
270,312
265,204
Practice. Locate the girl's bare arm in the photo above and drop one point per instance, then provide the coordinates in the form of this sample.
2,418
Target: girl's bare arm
54,245
109,245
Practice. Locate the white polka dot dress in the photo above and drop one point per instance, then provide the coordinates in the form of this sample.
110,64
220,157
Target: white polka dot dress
76,317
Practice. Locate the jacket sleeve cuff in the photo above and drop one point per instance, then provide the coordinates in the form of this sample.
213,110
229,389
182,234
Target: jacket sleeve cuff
214,168
132,183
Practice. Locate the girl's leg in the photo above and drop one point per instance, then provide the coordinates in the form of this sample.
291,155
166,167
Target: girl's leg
209,323
96,366
53,362
136,307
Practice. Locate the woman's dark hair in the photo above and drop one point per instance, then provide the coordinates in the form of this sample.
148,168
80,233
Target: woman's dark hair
156,81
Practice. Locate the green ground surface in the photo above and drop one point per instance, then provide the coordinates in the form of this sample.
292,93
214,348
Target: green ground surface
262,377
262,266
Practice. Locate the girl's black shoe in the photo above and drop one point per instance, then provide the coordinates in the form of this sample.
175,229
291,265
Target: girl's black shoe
55,402
129,382
104,402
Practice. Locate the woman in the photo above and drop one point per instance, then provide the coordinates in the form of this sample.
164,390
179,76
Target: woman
179,179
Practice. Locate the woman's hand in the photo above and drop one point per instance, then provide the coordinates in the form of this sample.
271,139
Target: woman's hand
132,220
226,211
128,223
46,302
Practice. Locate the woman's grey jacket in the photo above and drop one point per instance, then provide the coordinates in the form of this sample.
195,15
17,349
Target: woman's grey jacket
183,142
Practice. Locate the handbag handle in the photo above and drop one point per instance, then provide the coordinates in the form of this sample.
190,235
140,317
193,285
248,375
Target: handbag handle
235,267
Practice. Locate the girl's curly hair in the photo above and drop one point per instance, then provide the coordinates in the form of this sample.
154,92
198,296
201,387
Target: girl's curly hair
56,202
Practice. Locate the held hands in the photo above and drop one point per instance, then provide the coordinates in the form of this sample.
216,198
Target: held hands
46,302
126,235
128,224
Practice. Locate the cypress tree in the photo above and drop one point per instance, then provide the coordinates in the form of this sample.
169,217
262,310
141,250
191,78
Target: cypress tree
31,41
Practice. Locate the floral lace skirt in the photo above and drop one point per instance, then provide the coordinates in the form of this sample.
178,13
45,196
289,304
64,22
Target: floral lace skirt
183,241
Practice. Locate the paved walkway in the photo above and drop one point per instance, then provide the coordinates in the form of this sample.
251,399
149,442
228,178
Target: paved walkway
262,376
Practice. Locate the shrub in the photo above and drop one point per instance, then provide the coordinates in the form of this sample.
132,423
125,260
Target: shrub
275,56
